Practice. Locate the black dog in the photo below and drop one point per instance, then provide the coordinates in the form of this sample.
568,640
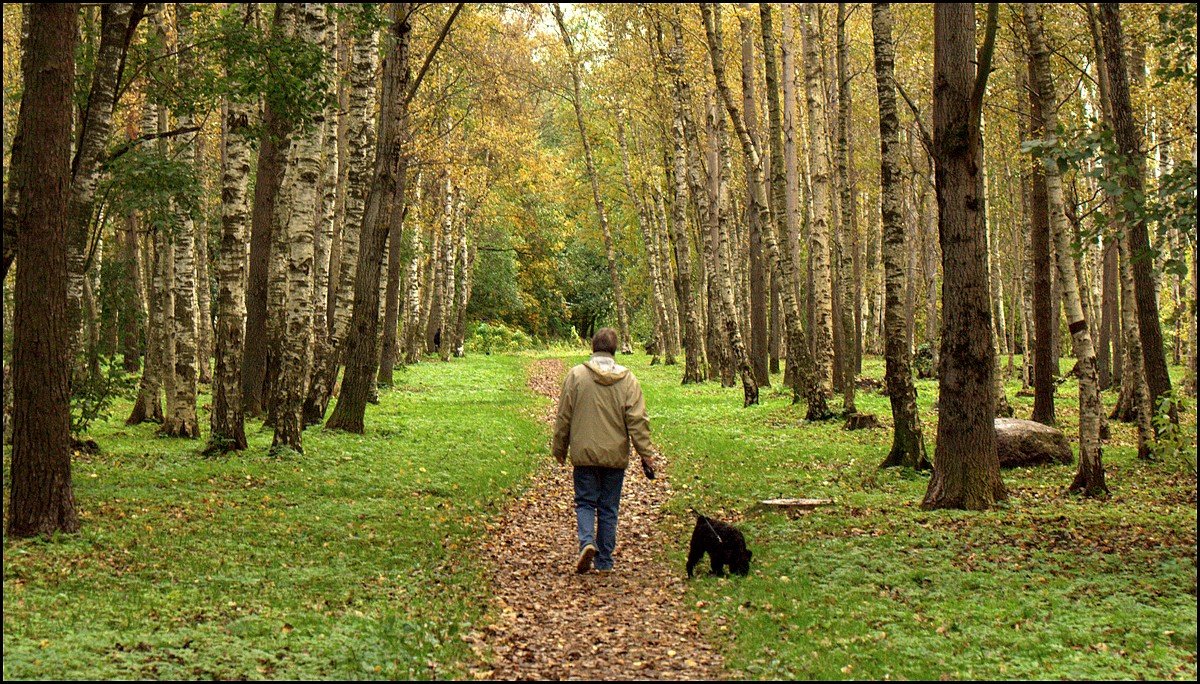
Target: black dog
723,543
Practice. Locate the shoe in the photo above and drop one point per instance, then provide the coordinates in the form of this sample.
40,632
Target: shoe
603,571
585,559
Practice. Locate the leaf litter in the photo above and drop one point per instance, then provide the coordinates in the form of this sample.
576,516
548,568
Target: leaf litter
547,622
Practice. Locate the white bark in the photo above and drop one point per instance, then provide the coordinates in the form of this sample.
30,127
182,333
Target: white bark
303,176
822,296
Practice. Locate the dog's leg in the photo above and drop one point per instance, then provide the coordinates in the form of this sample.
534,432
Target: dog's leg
695,553
718,562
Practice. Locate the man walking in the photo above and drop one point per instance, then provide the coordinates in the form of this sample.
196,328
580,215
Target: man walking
600,410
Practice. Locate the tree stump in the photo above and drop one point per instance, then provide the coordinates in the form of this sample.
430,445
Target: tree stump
1021,443
871,385
861,421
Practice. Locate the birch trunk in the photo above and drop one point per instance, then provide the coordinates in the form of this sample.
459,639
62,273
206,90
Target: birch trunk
323,238
661,235
341,184
845,221
117,23
181,418
465,259
822,329
908,443
1089,479
133,313
386,190
759,216
1138,408
1003,409
741,357
163,279
686,288
228,412
799,364
412,323
148,406
760,205
646,228
302,179
360,136
593,177
204,321
433,298
449,244
277,287
785,200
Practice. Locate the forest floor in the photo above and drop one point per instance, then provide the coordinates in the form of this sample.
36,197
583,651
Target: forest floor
551,623
389,555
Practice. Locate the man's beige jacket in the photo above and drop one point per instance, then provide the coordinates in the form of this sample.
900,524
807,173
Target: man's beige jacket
600,411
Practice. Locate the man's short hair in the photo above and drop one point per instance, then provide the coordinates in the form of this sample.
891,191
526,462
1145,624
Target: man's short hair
605,340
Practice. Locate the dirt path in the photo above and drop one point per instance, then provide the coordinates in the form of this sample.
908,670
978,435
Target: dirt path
550,623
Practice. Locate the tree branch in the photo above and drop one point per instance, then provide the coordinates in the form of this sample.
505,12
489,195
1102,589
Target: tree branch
412,90
984,65
926,140
133,142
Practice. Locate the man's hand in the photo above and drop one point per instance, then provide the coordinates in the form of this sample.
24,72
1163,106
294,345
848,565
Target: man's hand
648,467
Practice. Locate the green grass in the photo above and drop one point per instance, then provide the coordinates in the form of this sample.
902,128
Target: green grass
1050,586
354,559
349,561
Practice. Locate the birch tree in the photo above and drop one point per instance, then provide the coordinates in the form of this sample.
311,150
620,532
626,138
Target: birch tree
117,24
818,138
412,279
360,136
180,419
148,405
845,220
758,208
686,289
1089,478
385,189
908,443
324,228
593,178
227,422
302,177
1128,138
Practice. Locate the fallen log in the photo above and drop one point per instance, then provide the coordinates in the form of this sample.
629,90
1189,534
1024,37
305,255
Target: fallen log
802,504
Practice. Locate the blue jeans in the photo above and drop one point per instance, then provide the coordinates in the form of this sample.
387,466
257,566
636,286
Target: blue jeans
598,495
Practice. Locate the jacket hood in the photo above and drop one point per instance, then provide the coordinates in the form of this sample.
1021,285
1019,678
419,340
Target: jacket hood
605,370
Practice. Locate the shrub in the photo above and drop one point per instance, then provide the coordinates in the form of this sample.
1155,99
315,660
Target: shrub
93,396
496,337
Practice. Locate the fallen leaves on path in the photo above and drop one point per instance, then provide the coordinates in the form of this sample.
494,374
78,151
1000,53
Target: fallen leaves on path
546,622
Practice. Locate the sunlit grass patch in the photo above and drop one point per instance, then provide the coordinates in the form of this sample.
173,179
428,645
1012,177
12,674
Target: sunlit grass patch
352,560
1048,586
